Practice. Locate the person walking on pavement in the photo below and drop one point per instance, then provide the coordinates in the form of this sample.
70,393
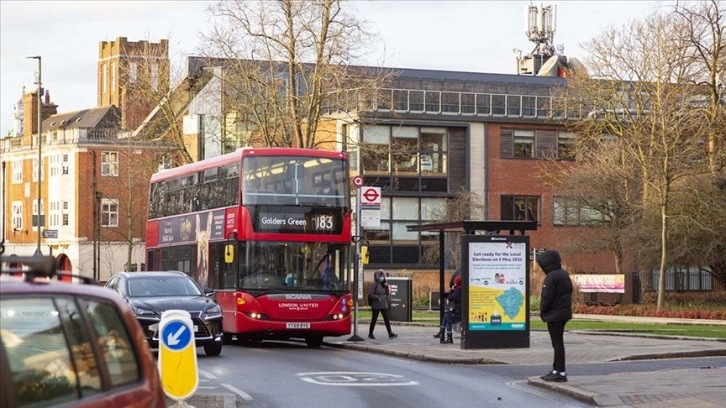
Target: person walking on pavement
378,296
555,309
440,334
454,315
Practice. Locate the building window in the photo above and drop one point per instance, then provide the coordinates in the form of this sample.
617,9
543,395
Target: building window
109,212
55,168
376,140
164,160
391,242
406,158
35,170
36,216
154,76
570,211
109,164
55,214
65,164
520,208
523,143
133,72
17,171
404,149
113,76
519,143
105,78
566,146
17,216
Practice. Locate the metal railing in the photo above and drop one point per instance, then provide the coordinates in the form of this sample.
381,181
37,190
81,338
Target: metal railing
449,103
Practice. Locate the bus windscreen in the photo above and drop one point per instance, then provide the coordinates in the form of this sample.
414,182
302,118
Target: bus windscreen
294,181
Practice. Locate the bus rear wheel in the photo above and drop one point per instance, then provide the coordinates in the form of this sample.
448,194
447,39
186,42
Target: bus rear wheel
314,341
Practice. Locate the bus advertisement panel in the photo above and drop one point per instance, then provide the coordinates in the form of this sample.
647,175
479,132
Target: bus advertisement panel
269,229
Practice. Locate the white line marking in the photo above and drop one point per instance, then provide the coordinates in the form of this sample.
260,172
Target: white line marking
244,395
209,376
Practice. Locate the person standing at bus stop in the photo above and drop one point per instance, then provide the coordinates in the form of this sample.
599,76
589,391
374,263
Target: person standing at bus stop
444,296
378,296
555,309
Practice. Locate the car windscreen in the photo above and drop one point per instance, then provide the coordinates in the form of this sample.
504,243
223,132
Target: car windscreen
162,286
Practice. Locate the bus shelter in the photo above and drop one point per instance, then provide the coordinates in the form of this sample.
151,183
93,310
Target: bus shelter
495,273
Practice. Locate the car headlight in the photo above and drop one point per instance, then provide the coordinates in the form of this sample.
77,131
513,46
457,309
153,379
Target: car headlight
143,312
214,311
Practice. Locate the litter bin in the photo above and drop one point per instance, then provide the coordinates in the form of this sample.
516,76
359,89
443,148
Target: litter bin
401,299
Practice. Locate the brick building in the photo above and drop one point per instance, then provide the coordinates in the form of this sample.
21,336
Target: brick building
94,183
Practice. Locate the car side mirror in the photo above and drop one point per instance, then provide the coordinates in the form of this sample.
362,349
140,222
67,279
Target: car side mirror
208,291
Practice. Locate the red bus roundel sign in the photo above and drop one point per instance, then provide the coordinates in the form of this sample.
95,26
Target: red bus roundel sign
371,197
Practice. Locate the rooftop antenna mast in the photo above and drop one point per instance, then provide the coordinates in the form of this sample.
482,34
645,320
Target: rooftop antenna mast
540,29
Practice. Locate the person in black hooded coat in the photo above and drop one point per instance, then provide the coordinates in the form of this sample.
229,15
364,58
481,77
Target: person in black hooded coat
555,309
379,298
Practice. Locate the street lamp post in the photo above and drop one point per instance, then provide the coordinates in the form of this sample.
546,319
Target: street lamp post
40,143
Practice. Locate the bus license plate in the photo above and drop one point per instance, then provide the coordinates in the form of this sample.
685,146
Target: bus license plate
297,325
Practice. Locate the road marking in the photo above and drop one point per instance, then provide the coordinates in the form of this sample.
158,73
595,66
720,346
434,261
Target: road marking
209,376
242,394
355,379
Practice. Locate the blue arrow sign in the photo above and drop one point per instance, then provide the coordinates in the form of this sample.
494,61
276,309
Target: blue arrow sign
176,335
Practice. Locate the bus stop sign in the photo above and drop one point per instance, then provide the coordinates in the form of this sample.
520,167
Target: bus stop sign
177,355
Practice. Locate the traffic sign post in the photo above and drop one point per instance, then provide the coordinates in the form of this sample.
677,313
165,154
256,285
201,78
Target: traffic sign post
177,355
50,233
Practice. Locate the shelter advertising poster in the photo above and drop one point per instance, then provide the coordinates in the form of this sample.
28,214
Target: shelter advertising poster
497,286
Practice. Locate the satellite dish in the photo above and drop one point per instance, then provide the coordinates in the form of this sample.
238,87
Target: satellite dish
549,68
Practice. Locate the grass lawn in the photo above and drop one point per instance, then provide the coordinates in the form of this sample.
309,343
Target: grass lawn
708,331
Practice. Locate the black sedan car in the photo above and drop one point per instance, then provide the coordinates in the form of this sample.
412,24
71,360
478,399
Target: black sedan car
151,293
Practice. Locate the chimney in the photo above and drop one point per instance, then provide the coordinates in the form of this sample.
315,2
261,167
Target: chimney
30,111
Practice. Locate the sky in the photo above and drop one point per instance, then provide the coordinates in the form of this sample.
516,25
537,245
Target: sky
475,36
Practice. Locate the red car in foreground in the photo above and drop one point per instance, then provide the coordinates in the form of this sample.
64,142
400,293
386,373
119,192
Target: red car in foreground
70,345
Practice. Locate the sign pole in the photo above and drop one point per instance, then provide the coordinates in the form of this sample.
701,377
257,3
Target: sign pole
356,261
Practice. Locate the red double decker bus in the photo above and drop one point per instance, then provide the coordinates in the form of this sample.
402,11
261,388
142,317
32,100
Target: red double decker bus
269,229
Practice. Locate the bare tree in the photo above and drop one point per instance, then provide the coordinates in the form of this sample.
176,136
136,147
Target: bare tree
705,35
600,194
286,65
132,188
699,225
159,94
642,96
461,207
122,188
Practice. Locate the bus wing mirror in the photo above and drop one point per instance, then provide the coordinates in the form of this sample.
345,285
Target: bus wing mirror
364,254
229,253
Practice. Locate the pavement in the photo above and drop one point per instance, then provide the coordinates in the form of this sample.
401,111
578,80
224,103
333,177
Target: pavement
690,387
677,388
